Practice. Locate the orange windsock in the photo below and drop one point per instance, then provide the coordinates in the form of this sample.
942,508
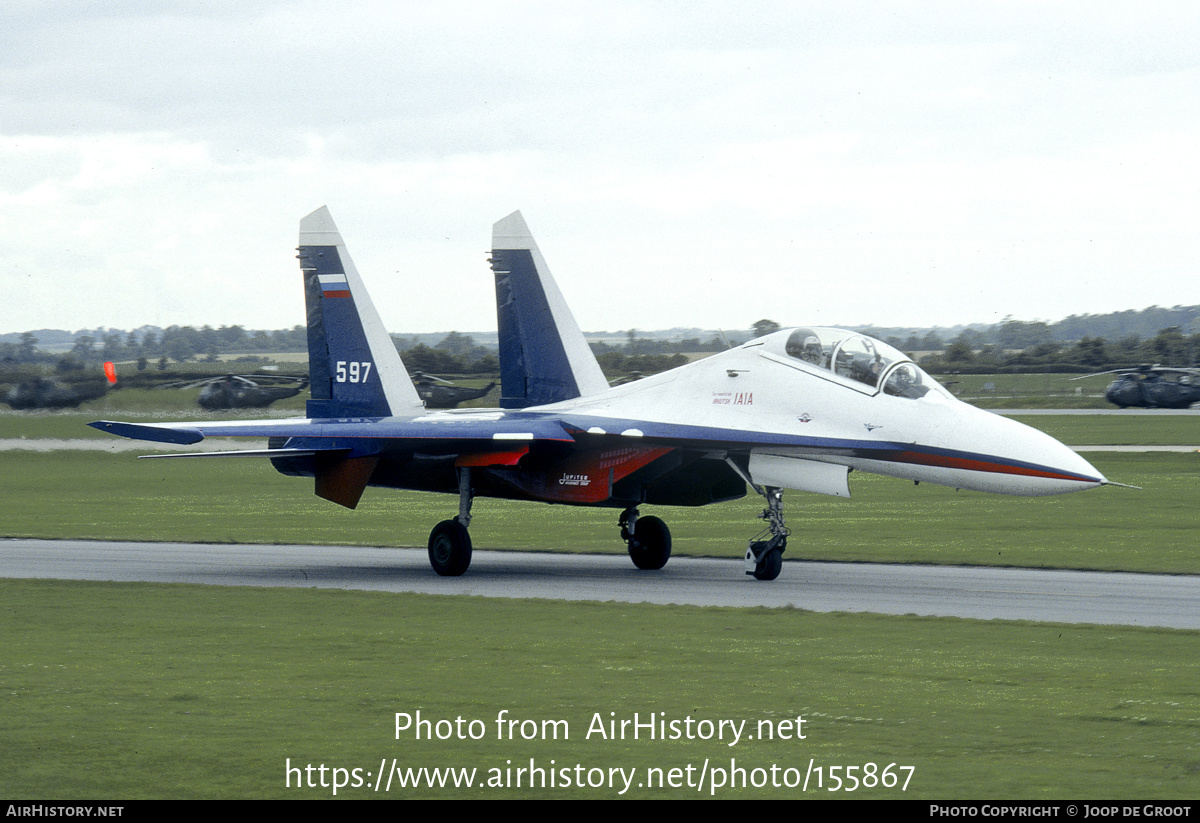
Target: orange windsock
110,371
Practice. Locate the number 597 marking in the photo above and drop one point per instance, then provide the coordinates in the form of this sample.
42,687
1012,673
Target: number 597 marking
352,372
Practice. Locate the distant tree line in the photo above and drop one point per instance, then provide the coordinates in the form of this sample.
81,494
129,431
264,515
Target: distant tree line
1080,343
969,353
180,344
455,354
459,354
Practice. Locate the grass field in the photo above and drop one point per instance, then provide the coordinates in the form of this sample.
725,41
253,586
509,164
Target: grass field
1016,391
142,690
1118,430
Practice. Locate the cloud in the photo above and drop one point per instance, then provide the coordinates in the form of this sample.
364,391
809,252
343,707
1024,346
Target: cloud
681,164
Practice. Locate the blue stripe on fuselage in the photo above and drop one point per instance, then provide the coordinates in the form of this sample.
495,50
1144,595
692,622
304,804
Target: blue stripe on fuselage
732,439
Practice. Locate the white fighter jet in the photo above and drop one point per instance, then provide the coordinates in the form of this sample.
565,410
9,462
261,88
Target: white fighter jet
797,409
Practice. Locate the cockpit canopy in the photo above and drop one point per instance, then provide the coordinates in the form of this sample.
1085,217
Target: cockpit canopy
868,364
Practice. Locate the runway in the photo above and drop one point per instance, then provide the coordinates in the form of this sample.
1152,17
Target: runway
954,591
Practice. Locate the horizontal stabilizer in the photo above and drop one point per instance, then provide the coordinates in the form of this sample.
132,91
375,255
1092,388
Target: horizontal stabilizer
149,431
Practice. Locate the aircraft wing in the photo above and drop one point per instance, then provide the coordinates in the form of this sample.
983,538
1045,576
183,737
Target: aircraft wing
446,432
342,454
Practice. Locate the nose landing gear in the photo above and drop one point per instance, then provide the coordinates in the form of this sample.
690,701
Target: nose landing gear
764,553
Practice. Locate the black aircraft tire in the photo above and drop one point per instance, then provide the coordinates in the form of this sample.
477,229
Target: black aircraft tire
770,566
650,546
449,548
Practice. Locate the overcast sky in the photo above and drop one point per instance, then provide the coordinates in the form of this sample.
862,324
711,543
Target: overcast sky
680,163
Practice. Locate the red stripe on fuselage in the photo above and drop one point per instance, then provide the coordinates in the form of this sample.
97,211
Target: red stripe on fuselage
582,478
508,457
946,462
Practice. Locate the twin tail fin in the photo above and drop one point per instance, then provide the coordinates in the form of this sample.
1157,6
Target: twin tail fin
354,368
544,357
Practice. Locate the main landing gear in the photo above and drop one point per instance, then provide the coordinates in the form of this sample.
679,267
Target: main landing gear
648,538
450,542
764,554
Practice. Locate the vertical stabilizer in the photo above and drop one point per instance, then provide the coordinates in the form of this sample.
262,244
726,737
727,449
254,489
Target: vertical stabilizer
543,356
354,369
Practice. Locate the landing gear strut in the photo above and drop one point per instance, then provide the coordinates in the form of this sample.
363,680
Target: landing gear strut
450,542
648,538
764,554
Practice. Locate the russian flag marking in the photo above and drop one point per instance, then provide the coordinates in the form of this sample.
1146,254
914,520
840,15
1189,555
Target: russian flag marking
333,285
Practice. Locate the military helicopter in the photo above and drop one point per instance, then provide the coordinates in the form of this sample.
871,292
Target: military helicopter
442,394
236,391
48,393
1153,387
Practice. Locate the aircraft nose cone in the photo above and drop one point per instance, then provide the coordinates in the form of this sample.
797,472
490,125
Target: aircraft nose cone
1043,464
991,453
1070,461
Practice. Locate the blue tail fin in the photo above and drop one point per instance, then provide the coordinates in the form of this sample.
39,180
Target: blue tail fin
543,356
354,369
